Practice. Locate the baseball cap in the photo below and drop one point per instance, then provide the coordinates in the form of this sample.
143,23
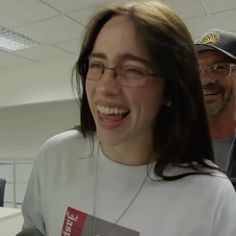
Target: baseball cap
218,40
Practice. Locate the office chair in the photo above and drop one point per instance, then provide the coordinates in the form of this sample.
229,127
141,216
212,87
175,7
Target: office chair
2,188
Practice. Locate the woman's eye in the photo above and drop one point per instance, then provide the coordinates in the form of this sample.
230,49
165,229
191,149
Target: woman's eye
134,70
95,65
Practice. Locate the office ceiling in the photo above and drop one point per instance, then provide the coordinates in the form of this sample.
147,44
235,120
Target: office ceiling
58,25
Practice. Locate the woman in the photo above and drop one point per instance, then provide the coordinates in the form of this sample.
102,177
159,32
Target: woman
141,162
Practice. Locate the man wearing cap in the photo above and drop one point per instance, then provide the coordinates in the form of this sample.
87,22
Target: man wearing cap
217,60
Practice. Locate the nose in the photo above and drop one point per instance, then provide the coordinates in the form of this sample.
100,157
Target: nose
207,78
108,84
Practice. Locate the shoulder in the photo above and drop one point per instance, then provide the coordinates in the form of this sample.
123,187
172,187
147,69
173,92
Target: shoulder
215,184
215,187
69,144
65,138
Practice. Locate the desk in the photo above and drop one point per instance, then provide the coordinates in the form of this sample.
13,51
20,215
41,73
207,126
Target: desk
11,221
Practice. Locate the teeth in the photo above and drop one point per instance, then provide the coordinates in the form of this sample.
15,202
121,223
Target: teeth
210,92
111,111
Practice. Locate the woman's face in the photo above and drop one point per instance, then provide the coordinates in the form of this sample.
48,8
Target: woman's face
122,114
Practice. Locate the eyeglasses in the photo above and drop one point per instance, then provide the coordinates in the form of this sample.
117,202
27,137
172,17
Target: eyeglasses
126,75
217,70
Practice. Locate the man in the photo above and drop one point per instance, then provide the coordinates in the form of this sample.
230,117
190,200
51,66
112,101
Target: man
217,58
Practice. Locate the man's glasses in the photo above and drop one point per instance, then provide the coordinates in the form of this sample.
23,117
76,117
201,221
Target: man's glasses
126,75
217,70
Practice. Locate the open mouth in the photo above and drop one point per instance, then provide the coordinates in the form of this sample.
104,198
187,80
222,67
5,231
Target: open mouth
111,116
211,93
112,111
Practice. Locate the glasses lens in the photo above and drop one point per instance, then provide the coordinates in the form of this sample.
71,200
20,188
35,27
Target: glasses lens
95,70
128,75
220,70
133,76
217,71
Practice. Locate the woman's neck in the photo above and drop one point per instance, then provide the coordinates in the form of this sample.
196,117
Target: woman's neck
139,154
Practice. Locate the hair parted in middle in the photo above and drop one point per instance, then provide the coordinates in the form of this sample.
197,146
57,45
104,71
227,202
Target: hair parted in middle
181,134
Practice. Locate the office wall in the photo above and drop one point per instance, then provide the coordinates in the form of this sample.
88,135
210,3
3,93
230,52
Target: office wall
24,128
39,82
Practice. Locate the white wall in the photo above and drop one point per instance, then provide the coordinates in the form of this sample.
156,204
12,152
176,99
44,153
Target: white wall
48,81
24,128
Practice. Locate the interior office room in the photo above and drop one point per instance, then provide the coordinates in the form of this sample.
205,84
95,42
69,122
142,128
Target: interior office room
36,98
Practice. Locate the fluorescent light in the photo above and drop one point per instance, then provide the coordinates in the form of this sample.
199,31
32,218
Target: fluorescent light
13,41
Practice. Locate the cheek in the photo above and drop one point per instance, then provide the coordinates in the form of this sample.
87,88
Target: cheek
234,84
153,102
89,88
148,100
229,86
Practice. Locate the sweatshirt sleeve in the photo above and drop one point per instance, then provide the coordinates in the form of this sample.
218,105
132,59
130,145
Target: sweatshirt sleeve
32,204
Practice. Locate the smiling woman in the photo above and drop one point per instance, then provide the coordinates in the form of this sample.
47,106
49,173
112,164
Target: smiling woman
143,149
130,89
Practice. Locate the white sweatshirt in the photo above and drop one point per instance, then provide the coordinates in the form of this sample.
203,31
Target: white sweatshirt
75,190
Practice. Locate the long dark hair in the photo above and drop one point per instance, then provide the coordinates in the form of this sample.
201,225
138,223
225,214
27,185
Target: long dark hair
181,134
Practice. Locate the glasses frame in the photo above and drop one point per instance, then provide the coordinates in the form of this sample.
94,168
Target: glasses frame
118,75
208,68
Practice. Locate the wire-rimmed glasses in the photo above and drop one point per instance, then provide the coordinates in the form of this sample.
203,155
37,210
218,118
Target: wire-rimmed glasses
125,74
217,70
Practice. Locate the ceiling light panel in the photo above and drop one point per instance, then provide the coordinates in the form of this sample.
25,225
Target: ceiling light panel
13,41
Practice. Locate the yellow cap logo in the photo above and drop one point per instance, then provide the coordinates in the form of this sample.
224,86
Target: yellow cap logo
210,38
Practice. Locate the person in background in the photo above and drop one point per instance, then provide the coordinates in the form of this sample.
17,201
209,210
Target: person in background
141,161
217,59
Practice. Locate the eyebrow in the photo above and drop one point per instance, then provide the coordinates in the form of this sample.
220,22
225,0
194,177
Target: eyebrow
124,57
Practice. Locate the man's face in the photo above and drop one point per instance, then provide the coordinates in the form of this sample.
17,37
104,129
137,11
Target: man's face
217,84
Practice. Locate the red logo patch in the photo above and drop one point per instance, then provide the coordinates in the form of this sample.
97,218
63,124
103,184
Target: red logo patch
73,222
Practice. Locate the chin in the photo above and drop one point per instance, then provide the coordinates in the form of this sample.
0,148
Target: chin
214,109
109,138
